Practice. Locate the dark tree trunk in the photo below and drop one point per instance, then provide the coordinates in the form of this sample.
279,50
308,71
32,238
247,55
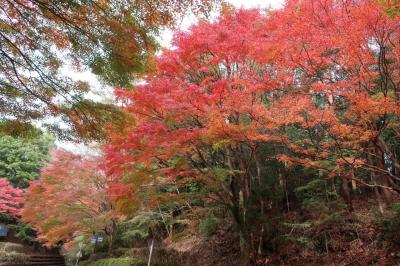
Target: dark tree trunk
374,181
346,193
110,231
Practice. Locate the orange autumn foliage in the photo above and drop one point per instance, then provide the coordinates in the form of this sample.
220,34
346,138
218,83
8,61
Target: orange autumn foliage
69,199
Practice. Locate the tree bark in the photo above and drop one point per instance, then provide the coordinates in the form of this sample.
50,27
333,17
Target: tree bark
110,232
383,178
262,204
374,181
346,192
245,254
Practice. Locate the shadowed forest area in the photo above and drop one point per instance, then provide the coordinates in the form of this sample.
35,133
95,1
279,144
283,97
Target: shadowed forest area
259,137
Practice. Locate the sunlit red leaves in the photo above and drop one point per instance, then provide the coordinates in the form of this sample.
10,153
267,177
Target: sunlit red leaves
70,196
207,93
345,53
251,76
11,199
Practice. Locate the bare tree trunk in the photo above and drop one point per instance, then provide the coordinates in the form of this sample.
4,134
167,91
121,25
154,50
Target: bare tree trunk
240,186
378,196
245,258
282,182
385,148
353,181
110,231
383,178
346,193
244,236
262,205
381,205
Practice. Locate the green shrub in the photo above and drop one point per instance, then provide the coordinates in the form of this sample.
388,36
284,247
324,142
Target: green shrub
24,232
137,228
11,247
208,226
13,258
84,263
98,256
314,193
137,252
119,252
390,225
160,256
118,262
70,254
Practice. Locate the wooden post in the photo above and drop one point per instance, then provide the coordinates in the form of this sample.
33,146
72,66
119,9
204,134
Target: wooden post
151,252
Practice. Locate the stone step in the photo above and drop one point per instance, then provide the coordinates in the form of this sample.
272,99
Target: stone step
37,264
46,263
45,256
46,260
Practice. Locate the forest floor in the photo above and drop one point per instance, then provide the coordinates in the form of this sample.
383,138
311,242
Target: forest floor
354,239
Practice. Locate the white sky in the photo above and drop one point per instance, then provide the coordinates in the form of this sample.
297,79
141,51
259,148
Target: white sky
256,3
100,91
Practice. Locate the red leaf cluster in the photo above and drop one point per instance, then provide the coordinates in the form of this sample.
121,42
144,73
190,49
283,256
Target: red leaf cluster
11,198
327,70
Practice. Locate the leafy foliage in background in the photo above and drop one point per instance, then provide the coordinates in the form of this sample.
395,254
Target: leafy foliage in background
21,159
24,232
13,253
390,224
14,258
208,226
118,262
139,227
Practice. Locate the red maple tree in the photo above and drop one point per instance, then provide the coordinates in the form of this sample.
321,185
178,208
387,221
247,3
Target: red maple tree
11,198
320,78
69,199
340,112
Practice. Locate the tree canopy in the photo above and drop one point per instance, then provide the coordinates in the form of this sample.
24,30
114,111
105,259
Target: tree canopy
21,159
114,39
